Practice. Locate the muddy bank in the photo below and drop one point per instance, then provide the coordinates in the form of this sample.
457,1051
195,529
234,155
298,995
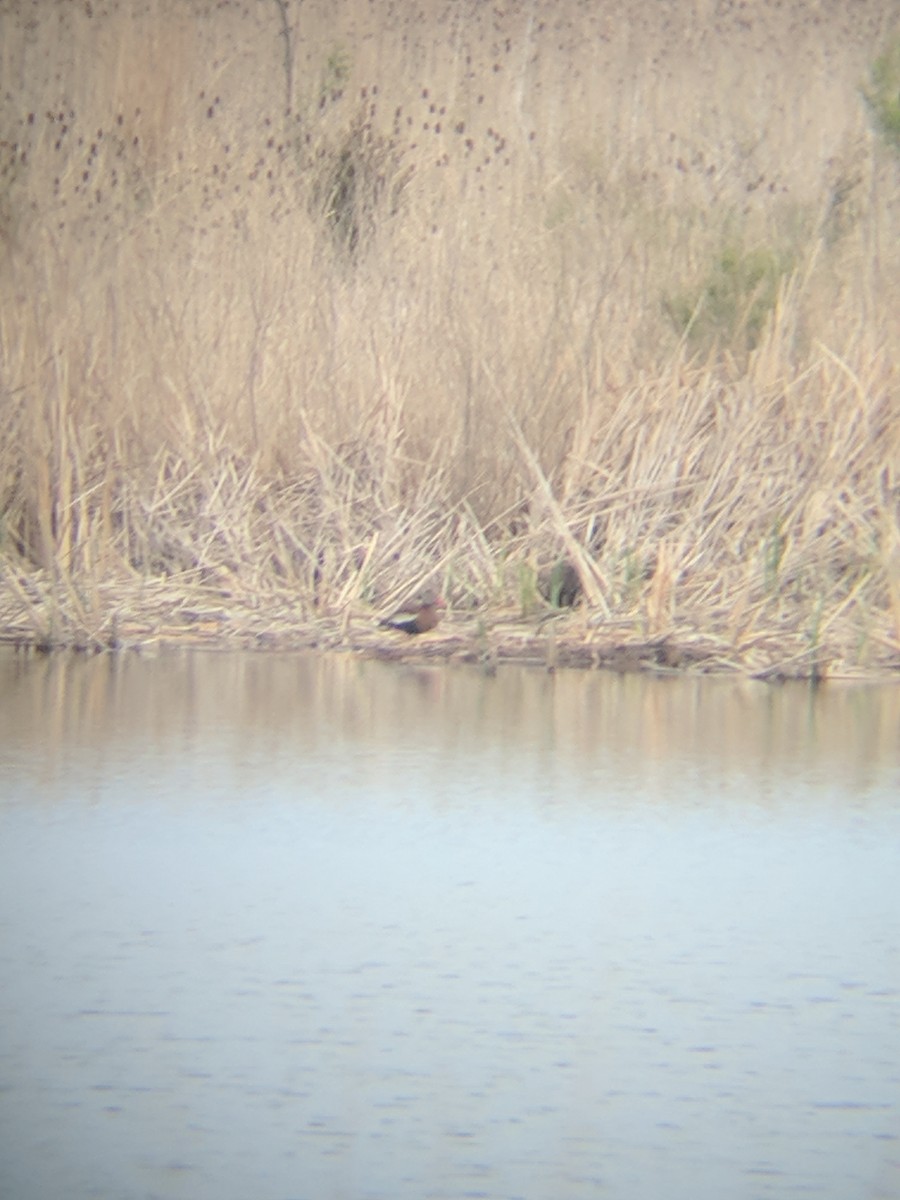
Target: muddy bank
547,640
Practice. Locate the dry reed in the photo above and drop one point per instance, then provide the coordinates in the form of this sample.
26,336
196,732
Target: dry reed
304,305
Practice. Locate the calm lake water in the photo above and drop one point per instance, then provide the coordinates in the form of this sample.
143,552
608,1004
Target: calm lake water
302,928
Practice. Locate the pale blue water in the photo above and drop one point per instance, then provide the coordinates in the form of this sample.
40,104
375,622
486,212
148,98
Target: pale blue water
312,928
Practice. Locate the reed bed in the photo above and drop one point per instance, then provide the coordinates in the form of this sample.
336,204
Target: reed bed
305,306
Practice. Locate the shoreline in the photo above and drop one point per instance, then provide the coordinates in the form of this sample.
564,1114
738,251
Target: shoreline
567,639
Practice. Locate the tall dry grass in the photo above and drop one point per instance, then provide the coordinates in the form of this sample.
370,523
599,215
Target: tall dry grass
304,304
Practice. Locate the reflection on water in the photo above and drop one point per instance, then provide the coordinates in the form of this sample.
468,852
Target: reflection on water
311,927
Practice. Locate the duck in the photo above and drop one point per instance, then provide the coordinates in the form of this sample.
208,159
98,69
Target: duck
420,616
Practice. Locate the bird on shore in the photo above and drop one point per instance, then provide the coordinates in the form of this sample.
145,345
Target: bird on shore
418,617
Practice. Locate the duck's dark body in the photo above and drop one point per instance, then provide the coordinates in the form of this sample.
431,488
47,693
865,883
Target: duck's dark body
416,620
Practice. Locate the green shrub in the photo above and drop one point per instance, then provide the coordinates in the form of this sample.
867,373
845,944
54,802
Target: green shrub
731,305
882,95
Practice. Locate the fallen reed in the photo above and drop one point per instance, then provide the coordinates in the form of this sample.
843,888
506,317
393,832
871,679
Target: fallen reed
304,306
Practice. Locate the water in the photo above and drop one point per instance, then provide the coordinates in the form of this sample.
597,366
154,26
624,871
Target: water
300,928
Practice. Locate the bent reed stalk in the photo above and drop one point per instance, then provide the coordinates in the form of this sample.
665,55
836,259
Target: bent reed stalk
306,306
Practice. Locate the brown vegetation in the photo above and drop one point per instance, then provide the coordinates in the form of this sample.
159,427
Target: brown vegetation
305,306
